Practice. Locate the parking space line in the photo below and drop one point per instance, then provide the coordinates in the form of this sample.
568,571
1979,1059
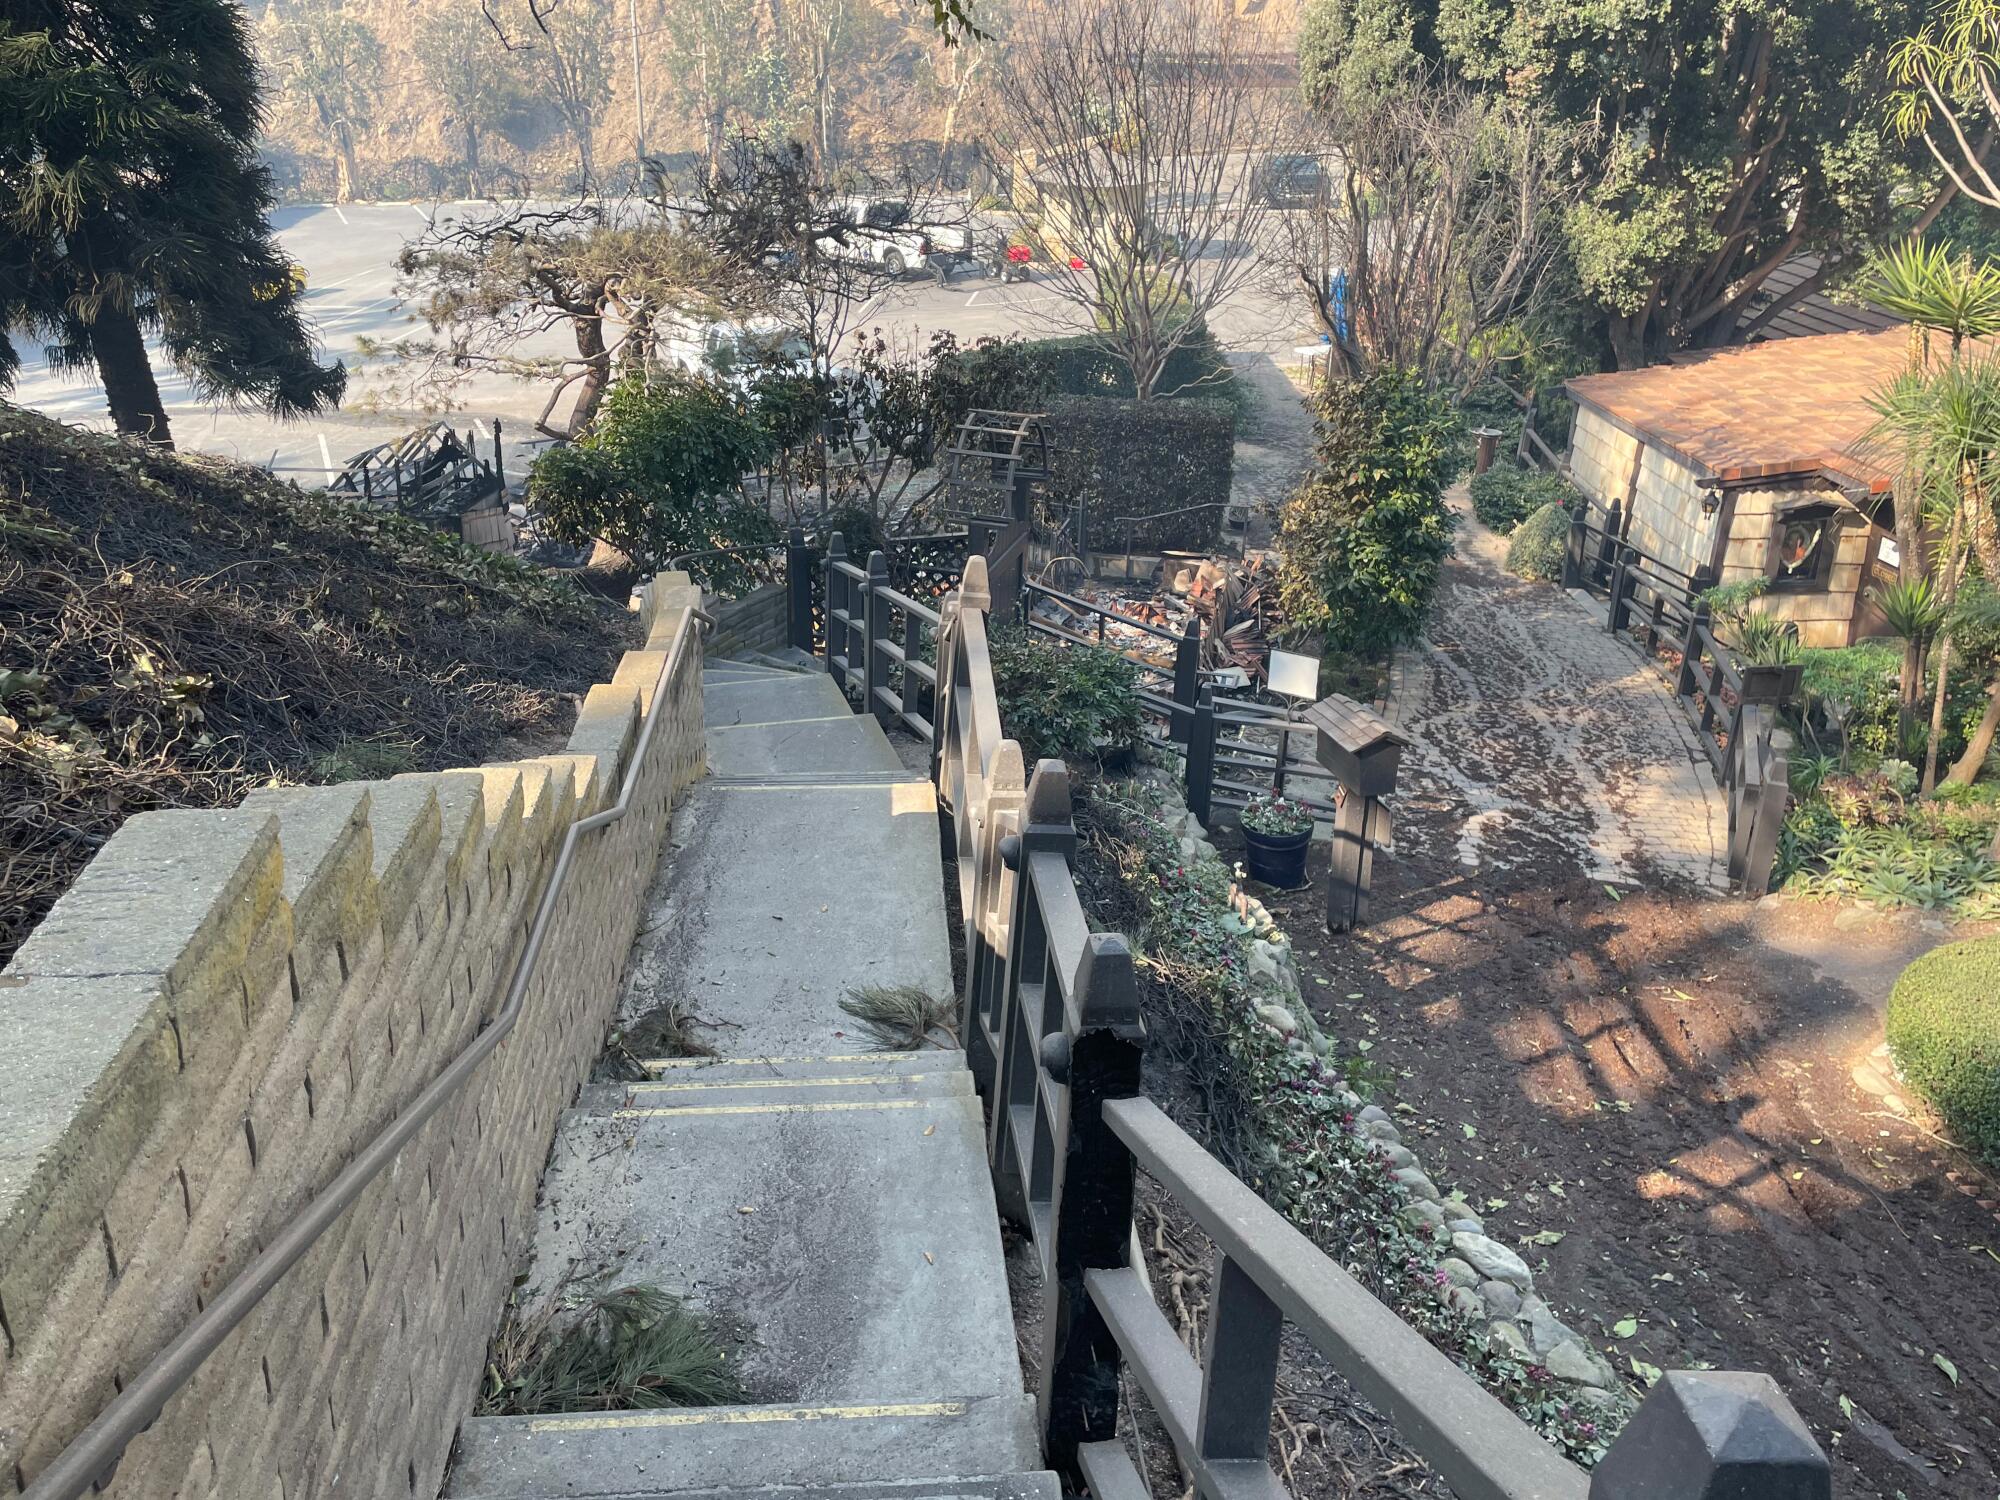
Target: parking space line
337,213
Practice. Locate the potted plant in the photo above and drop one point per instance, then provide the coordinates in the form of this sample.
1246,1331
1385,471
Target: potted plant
1276,831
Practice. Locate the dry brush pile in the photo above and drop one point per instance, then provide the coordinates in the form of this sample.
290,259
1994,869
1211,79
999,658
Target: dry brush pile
177,630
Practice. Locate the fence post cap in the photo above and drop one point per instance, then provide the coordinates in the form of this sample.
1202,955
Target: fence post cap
878,564
1712,1435
796,537
974,592
1008,772
1107,992
836,545
1048,793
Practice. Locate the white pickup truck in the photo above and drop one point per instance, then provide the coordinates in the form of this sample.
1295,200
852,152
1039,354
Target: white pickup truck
890,233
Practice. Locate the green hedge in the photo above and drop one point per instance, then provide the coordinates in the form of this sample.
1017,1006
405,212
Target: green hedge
1505,496
1538,544
1015,374
1944,1031
1143,458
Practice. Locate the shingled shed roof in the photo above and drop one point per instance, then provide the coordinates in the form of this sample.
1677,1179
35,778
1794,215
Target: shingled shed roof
1786,408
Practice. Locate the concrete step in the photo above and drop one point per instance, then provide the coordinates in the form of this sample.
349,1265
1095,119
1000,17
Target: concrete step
843,742
839,1064
790,659
731,670
710,1093
973,1447
778,899
771,700
847,1245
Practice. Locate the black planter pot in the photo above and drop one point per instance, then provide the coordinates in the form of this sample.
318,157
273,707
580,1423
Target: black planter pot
1277,859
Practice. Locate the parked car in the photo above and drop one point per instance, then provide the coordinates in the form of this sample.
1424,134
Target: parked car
730,350
890,234
1288,181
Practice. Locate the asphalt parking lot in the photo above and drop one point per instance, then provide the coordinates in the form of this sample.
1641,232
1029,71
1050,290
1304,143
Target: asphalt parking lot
349,254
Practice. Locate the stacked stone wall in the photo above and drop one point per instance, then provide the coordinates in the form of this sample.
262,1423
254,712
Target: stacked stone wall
225,1008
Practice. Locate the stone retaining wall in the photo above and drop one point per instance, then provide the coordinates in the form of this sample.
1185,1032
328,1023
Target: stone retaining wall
228,1005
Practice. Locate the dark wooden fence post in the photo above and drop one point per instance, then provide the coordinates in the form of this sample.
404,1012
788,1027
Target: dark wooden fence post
1706,1434
1092,1195
1201,756
1572,574
1187,679
1621,591
1691,651
798,591
1609,543
837,640
875,630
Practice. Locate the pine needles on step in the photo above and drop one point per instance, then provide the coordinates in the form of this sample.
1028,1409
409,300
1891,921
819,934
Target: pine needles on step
902,1017
617,1350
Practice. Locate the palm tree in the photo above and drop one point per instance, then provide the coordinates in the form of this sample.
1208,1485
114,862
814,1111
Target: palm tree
1941,417
131,202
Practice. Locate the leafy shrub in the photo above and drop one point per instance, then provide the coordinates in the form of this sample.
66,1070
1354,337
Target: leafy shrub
1855,687
1944,1031
1070,702
1364,538
1863,837
1117,458
1536,550
658,473
1505,496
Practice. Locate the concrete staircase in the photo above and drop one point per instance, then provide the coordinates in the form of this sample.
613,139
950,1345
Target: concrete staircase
825,1204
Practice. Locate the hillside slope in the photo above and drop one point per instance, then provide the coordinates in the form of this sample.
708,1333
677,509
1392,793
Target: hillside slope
177,630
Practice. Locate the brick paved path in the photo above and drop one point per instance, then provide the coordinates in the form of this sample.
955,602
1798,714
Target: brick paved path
1539,737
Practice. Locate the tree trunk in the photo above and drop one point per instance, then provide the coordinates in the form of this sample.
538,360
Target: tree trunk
346,171
1942,661
1967,767
472,161
596,374
129,388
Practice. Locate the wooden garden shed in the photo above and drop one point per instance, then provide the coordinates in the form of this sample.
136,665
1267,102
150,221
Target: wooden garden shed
1751,462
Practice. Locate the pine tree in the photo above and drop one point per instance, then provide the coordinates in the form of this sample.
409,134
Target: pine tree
132,202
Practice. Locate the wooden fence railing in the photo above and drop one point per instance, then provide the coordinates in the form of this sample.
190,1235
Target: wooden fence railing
1661,606
1234,749
1053,1034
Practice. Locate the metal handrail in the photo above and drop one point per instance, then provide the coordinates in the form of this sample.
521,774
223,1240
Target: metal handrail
93,1454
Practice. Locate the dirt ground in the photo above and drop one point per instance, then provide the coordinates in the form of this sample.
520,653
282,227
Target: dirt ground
1698,1106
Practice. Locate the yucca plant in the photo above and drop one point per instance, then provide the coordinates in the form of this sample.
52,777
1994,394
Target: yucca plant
1936,288
1764,640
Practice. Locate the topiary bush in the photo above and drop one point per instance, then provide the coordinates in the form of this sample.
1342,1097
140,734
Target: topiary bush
1363,540
1505,496
1944,1031
1536,551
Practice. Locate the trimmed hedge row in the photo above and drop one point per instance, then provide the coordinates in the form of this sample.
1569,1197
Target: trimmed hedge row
1119,458
1944,1031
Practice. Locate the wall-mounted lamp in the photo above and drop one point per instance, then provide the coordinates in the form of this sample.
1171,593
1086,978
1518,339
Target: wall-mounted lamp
1711,496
